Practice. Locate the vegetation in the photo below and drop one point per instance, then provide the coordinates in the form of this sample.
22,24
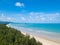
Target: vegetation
10,36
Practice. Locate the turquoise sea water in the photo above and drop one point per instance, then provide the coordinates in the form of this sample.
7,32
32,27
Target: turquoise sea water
52,27
50,31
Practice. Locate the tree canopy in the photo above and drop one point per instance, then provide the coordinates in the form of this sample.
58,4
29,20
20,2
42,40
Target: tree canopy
10,36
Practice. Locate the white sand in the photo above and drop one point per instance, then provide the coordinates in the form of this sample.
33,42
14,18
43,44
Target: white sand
43,40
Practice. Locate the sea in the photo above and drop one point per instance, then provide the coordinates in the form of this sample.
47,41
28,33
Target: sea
46,30
50,27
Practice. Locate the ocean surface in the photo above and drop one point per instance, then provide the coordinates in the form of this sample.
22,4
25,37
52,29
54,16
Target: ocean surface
50,27
47,30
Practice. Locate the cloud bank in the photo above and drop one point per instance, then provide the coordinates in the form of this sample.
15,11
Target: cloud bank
38,17
33,17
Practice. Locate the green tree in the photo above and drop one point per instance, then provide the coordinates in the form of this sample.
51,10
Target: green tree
10,36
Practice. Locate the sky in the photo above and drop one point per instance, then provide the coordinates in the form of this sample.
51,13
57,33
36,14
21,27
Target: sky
30,11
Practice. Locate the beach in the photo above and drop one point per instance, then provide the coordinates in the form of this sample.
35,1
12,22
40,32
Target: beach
39,37
42,40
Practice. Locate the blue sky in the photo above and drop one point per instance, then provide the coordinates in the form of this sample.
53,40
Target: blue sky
30,11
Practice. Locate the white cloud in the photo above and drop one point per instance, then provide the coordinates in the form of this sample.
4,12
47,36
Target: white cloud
33,17
4,18
8,18
57,13
22,18
2,15
43,17
18,4
38,17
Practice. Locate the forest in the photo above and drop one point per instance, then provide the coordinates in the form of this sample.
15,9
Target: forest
11,36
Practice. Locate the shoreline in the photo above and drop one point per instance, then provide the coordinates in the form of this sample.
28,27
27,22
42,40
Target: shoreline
44,41
41,39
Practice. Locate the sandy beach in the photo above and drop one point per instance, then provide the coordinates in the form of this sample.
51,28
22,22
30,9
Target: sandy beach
43,40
